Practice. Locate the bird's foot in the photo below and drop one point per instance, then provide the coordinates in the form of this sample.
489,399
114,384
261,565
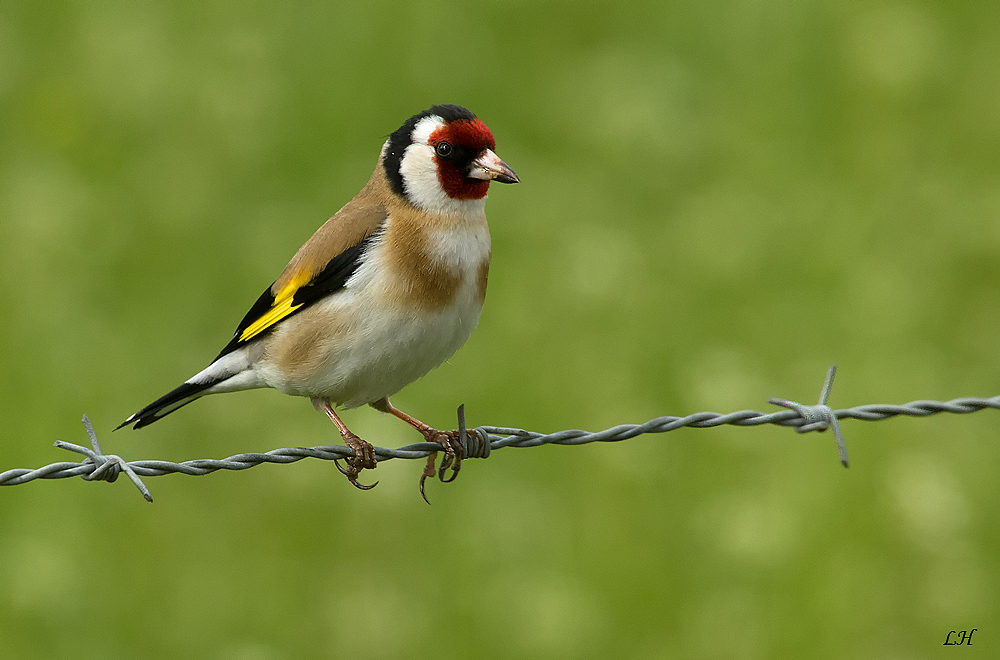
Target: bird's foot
451,444
363,459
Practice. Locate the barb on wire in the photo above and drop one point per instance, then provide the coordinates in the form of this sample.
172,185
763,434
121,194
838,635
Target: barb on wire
819,417
107,467
479,442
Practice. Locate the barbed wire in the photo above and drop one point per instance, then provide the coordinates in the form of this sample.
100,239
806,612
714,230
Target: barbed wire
478,443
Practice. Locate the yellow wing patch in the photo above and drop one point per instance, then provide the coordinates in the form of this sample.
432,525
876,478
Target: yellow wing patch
282,307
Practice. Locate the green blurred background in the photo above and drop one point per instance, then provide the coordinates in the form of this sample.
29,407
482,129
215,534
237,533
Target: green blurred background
719,200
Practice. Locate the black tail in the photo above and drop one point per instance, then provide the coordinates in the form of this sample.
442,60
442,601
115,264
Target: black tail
166,404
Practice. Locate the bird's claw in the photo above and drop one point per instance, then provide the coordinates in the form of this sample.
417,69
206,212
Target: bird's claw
451,444
428,472
363,459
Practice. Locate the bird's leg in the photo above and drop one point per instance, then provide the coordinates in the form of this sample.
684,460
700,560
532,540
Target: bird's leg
364,453
449,440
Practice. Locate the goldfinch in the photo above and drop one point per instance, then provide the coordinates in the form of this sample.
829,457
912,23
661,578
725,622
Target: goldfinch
386,290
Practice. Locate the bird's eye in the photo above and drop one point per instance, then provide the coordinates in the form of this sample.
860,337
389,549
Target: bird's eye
443,149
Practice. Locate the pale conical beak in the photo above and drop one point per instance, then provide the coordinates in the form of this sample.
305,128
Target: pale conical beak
489,167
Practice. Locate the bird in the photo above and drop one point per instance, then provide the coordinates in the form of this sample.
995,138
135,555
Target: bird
383,292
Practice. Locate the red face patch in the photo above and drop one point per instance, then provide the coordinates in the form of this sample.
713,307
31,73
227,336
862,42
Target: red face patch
472,134
469,138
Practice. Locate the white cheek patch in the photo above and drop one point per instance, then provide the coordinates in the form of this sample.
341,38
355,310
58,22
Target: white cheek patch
420,178
418,169
421,133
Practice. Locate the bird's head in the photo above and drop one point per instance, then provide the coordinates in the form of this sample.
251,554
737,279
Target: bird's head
442,160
